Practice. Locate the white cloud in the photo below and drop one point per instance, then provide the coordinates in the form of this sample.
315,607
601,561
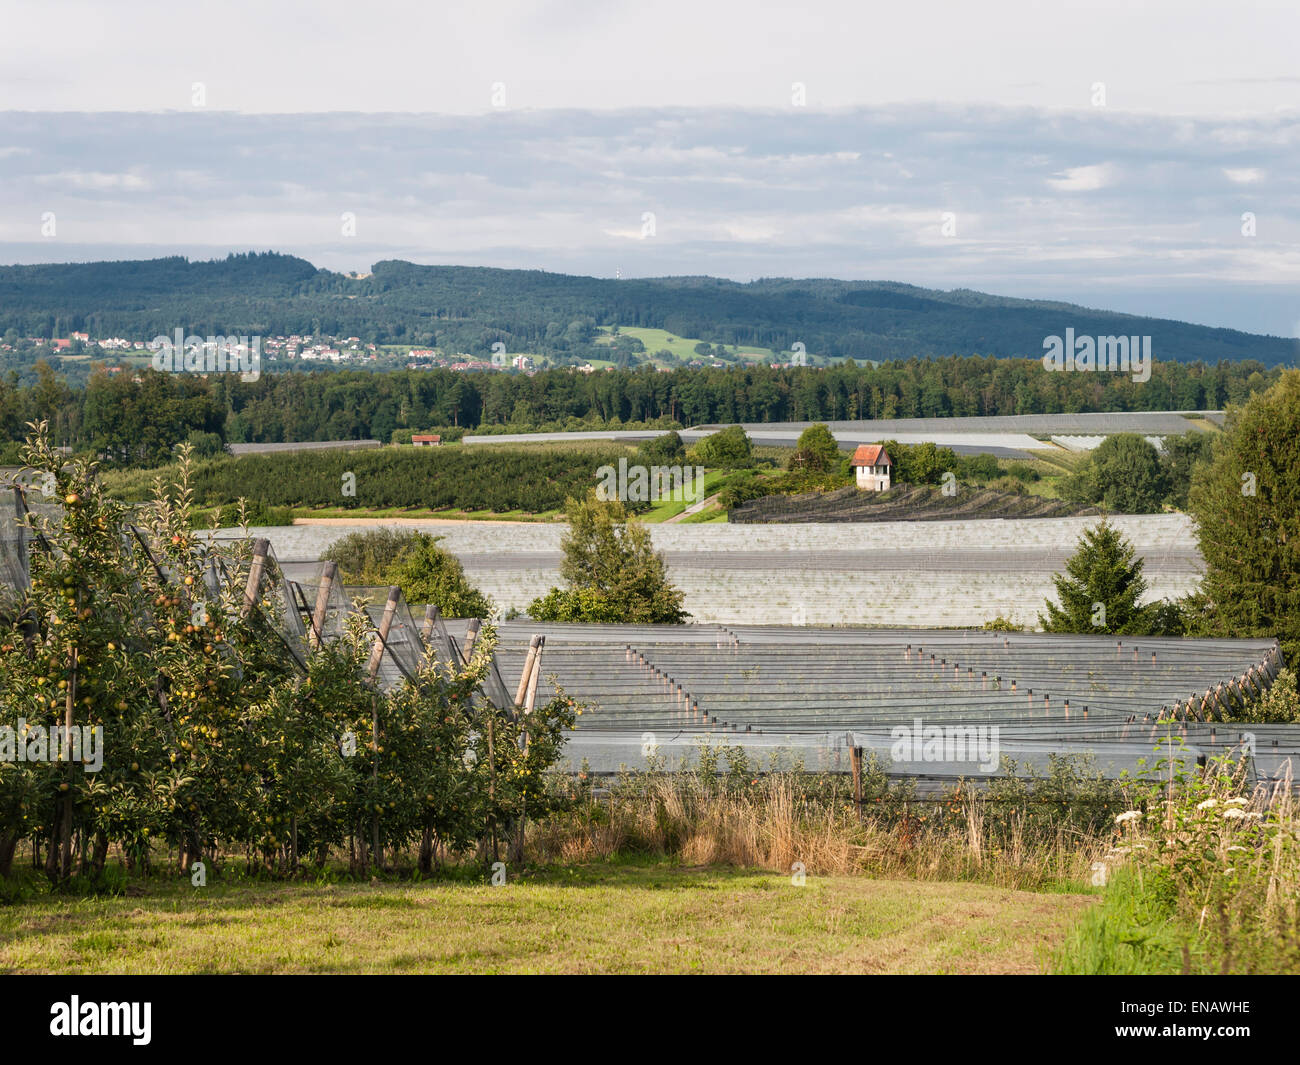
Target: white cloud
1084,178
1244,175
1045,203
616,54
95,180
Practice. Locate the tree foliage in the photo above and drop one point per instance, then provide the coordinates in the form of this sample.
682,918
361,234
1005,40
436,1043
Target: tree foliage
413,561
1123,473
1101,588
611,568
1246,503
727,449
215,742
465,308
136,418
816,450
479,477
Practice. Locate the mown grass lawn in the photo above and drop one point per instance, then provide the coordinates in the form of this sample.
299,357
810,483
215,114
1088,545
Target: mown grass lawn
593,919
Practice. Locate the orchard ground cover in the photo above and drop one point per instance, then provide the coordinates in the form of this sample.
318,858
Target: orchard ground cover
625,917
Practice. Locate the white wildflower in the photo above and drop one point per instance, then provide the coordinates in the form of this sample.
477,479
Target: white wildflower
1233,814
1208,804
1238,802
1127,815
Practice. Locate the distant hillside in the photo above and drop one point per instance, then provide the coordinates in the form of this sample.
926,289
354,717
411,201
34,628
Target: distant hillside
467,309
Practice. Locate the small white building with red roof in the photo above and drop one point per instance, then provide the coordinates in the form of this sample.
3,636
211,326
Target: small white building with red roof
873,467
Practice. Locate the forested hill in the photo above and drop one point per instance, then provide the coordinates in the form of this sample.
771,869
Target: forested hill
466,309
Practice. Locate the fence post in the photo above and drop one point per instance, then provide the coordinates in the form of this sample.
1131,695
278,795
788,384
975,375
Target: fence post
855,760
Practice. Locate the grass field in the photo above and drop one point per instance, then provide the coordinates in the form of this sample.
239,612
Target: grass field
683,348
676,502
606,918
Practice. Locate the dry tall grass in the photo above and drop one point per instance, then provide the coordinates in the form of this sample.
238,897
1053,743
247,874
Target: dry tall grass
777,823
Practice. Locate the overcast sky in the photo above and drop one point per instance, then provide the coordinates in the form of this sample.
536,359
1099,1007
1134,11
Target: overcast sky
1102,153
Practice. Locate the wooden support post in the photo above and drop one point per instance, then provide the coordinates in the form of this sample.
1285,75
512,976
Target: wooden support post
430,620
855,760
376,851
1270,666
471,636
253,589
328,573
531,698
385,623
526,675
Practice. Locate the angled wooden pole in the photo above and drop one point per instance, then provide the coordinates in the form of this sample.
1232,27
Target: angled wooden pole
328,573
471,636
527,674
430,620
381,638
537,672
254,587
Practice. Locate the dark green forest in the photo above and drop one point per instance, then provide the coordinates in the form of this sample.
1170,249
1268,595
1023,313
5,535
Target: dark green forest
467,309
136,419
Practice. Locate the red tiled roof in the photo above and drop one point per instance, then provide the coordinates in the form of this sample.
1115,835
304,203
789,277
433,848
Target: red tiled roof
871,455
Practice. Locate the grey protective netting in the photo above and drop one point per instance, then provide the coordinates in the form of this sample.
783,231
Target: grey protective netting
405,647
446,648
813,693
14,535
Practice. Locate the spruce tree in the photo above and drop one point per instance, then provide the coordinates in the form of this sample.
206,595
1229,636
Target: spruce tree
1246,503
1100,588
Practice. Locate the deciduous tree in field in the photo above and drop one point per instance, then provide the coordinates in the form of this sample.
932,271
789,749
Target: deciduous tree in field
816,449
414,562
728,449
613,571
1124,474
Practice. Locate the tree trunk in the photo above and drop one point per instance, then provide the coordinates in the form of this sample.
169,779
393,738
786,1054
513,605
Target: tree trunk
65,864
8,843
100,854
426,851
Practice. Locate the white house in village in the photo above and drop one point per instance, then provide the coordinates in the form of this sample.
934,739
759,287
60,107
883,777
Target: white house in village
873,467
